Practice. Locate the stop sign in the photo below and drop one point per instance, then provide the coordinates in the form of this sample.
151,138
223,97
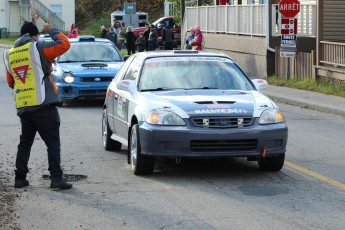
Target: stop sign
289,8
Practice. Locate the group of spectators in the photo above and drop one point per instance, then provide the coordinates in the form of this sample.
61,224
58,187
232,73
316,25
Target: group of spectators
123,36
195,40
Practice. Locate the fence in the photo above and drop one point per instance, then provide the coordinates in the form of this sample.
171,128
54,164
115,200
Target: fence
332,54
239,19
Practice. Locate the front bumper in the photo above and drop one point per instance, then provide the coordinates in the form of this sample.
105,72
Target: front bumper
73,91
186,141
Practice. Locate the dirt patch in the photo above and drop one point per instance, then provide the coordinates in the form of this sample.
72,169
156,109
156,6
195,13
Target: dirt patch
8,196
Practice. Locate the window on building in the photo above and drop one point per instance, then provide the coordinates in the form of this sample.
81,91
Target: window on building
57,9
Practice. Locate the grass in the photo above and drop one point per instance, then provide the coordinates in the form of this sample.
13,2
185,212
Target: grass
335,89
9,40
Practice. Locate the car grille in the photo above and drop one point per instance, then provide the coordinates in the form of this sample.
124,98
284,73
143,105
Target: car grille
222,122
96,79
93,92
223,145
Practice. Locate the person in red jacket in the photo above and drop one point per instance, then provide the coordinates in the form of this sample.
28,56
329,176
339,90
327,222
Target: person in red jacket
196,43
28,67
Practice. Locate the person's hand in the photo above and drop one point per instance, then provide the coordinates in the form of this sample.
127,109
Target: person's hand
47,27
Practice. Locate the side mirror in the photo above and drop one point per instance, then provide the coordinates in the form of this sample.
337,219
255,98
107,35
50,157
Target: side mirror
260,84
126,85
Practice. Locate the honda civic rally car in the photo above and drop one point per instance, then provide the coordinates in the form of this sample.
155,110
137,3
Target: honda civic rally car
190,104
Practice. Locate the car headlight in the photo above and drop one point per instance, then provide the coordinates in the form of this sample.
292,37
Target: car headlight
68,77
271,116
161,117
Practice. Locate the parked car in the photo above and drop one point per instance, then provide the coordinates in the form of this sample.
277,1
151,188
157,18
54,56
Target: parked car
190,104
159,24
86,69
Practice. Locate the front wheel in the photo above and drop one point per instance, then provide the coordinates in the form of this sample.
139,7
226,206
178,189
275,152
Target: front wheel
272,163
140,164
108,143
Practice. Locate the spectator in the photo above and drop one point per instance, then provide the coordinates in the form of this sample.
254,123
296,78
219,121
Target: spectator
121,37
153,38
141,42
146,34
104,31
130,41
75,29
168,38
190,38
197,42
111,36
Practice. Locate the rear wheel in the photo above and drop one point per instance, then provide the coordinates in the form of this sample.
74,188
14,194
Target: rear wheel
272,163
108,143
140,164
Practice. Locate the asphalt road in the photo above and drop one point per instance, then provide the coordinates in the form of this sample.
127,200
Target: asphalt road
309,192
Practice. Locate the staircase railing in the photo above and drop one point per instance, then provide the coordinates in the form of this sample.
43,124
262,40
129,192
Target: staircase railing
49,16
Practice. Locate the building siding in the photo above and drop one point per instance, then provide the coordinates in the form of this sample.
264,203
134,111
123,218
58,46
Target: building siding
333,20
11,13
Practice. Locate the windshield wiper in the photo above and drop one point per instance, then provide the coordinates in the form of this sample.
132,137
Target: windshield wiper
159,89
68,61
202,88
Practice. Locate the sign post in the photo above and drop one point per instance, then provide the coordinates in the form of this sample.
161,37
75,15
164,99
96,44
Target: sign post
288,9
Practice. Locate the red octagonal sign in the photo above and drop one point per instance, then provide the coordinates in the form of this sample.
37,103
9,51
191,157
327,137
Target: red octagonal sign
289,8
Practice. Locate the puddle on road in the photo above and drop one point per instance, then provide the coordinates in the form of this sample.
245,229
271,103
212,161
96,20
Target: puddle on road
68,177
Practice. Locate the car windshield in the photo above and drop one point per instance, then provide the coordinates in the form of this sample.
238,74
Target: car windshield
187,73
91,52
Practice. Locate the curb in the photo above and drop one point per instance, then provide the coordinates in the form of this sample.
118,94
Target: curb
306,105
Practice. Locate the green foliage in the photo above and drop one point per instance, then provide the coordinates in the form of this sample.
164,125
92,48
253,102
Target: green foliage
310,84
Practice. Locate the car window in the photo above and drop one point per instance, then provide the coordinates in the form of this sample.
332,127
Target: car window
192,73
132,72
91,51
123,68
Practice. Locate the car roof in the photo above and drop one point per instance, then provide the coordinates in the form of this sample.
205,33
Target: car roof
176,53
88,38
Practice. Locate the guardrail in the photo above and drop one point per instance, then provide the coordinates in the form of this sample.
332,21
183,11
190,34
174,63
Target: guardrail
333,54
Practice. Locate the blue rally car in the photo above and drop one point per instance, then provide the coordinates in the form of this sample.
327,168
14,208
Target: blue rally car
86,70
190,104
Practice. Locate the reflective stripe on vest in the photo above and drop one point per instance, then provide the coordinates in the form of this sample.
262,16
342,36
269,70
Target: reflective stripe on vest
26,68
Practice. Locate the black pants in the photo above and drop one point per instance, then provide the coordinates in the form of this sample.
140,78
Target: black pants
46,122
130,49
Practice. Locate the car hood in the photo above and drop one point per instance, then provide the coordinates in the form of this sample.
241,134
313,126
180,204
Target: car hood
103,68
212,102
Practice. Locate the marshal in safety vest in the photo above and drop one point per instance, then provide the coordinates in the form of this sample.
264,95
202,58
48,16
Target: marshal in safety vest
25,66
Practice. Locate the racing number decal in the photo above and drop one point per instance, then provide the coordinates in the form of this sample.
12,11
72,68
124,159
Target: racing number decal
121,107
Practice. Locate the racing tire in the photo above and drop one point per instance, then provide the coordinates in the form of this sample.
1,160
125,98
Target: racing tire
272,163
108,143
140,164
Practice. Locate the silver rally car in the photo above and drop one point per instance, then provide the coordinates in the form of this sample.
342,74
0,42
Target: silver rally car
190,104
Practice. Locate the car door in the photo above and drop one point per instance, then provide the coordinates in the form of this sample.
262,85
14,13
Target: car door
113,94
124,98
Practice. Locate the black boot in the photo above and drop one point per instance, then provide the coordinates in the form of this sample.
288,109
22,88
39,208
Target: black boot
61,184
20,182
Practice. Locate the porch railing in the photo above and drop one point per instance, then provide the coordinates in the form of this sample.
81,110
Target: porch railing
333,54
49,16
239,19
247,19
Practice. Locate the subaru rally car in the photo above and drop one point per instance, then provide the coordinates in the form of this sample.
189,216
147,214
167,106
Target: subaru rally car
190,104
86,69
